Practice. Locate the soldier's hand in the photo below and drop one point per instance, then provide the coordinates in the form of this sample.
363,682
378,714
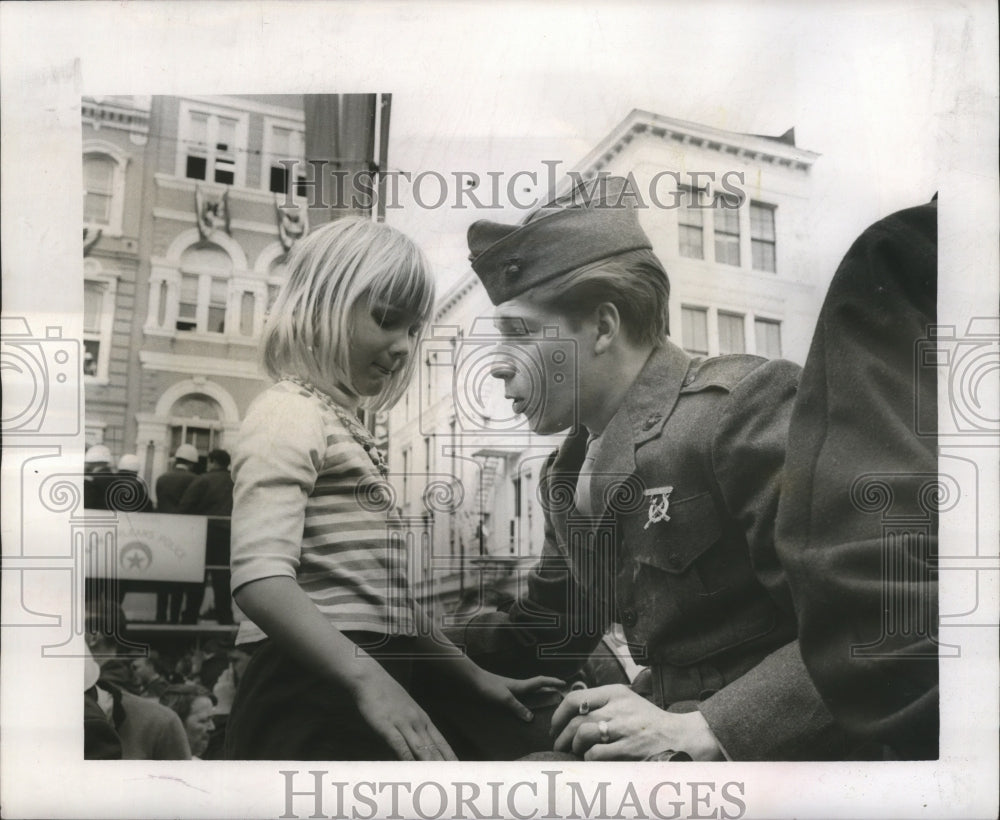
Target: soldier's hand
614,723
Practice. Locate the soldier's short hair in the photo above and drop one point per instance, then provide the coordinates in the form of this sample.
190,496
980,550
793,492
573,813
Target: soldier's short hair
635,282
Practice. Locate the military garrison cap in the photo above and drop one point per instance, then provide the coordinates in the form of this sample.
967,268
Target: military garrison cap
595,220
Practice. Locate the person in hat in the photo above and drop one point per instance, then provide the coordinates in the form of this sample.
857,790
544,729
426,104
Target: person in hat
129,492
170,486
659,505
170,489
211,494
96,477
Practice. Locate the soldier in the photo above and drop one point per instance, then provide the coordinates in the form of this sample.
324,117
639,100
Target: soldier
659,505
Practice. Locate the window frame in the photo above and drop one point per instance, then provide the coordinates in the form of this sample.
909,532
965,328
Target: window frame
688,194
704,311
116,207
267,149
94,273
720,313
185,139
755,241
205,276
767,320
717,208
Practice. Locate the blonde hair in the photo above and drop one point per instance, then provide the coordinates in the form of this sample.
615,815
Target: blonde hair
307,332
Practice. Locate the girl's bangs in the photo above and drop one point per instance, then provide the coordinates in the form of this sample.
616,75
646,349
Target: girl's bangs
406,287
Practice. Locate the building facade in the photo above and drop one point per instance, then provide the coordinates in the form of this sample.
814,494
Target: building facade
206,252
115,137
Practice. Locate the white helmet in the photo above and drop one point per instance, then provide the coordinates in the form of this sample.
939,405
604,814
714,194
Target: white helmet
187,452
128,463
97,454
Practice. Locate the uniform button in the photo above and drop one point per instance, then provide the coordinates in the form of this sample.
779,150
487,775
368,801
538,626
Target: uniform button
629,618
651,421
688,379
674,560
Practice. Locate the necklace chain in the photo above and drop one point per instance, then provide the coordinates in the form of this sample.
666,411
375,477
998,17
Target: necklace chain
354,427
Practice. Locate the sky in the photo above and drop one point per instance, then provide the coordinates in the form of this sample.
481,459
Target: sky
890,94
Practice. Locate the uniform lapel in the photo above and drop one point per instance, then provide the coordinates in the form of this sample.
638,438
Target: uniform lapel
647,405
561,481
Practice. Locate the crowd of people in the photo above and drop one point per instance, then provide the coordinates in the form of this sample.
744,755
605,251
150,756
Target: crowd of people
702,507
140,704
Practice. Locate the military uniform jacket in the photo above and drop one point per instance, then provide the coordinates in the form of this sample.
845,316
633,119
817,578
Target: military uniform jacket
680,552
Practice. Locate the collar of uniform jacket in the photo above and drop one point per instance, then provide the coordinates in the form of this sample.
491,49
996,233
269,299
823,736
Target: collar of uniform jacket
644,410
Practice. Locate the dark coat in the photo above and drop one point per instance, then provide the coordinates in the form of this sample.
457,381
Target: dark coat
210,493
170,489
127,492
857,500
700,594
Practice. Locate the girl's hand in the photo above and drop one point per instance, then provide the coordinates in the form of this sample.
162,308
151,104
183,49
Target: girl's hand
388,708
507,691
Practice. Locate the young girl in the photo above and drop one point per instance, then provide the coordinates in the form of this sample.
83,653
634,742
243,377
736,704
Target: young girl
340,645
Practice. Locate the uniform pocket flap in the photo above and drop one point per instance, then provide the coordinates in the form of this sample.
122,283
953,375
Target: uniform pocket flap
674,545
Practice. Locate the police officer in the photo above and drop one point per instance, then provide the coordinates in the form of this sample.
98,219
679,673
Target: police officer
97,476
659,505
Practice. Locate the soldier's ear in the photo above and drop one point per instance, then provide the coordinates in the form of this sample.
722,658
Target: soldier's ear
608,321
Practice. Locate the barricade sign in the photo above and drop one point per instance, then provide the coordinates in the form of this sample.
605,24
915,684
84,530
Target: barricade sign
149,547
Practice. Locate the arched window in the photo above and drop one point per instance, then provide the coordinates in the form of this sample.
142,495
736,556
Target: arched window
103,188
99,188
203,295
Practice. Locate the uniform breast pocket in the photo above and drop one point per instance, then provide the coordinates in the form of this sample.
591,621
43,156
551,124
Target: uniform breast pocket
675,546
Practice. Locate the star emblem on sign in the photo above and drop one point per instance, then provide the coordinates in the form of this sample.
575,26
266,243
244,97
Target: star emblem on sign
136,557
659,503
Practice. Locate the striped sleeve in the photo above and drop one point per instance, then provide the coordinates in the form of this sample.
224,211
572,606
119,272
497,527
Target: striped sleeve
277,461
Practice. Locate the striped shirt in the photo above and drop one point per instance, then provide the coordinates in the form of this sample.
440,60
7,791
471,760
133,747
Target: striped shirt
310,504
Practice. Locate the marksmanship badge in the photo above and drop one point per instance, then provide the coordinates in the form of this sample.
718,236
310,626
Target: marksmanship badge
659,503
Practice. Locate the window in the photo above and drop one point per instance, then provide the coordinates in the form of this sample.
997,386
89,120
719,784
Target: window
272,294
277,273
103,187
93,315
727,230
204,289
247,303
99,290
690,226
762,236
731,338
694,330
284,140
98,185
768,337
212,145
